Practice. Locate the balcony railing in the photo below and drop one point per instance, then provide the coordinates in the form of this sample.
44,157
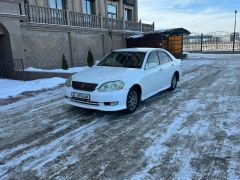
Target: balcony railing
147,27
113,24
37,14
45,15
84,20
133,26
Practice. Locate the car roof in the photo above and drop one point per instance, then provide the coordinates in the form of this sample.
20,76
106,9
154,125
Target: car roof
137,49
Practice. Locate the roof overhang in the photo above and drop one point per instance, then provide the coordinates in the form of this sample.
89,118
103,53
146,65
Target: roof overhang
164,32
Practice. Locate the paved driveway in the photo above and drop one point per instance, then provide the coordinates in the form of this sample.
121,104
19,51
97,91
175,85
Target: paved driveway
193,132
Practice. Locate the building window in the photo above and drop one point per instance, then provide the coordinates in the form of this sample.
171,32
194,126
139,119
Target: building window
111,11
88,6
128,15
57,4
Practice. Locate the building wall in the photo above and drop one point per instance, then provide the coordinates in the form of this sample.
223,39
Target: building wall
44,45
44,49
100,6
9,7
9,19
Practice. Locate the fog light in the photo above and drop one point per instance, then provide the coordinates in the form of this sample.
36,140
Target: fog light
111,103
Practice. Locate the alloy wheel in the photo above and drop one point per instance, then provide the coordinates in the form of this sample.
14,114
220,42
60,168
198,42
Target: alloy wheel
132,100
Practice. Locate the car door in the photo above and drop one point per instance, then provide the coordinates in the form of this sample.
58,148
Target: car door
150,81
166,69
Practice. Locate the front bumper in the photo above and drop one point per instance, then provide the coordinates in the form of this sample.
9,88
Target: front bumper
98,100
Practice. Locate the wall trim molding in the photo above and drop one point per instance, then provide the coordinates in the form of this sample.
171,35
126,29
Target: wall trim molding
12,16
12,1
66,28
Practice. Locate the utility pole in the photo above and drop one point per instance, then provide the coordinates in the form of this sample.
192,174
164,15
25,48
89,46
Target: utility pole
234,34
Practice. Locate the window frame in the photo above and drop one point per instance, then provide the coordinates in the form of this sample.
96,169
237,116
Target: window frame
159,63
111,13
91,8
126,10
169,58
63,7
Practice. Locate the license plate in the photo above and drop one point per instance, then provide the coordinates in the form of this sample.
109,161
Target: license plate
81,96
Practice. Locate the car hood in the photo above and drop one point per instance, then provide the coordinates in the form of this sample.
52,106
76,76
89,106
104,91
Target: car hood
102,74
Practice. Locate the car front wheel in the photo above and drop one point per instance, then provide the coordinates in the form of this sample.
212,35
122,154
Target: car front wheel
132,100
173,82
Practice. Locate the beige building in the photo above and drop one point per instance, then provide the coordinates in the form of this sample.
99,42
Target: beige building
116,9
36,33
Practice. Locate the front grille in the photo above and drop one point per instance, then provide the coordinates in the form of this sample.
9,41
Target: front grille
83,86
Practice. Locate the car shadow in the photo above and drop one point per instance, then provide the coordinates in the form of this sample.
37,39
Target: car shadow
122,113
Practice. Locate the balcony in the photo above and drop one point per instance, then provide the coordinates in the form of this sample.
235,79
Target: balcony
36,14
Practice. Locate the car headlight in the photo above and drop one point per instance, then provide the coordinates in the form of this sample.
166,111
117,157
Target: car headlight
111,86
68,82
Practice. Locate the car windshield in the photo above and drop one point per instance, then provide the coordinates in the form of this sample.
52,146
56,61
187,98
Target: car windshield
124,59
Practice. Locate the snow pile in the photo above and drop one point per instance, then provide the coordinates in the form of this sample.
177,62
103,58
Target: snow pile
136,36
11,88
70,70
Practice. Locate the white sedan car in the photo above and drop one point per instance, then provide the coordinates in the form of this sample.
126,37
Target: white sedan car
124,78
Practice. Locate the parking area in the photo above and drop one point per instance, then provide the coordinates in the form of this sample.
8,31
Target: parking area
192,132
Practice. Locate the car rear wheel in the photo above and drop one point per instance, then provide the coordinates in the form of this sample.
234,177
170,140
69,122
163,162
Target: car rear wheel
132,100
173,82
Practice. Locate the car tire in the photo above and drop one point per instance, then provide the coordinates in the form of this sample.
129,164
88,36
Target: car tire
174,82
133,99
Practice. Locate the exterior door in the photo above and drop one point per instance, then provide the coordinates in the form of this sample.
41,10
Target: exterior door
166,69
151,81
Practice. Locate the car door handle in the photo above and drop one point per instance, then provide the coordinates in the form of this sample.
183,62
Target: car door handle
173,65
160,69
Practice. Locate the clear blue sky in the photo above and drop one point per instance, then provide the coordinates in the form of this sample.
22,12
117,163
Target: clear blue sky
197,16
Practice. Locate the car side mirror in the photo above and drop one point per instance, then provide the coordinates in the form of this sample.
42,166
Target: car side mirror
150,66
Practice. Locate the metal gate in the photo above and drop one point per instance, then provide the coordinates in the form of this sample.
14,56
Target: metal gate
6,66
11,68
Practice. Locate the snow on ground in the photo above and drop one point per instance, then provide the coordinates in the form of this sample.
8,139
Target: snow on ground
190,133
10,88
212,56
70,70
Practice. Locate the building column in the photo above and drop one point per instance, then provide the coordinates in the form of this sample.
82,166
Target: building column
102,7
121,10
136,11
69,5
76,6
97,9
45,3
39,3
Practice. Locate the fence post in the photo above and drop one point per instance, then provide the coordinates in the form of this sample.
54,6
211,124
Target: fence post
234,34
23,69
201,42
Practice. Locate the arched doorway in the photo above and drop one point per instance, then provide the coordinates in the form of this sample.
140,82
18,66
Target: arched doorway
6,59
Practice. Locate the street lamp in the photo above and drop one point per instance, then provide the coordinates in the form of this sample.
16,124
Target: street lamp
234,34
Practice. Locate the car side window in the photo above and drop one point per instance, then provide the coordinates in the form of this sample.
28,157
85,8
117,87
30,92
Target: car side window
153,59
163,57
